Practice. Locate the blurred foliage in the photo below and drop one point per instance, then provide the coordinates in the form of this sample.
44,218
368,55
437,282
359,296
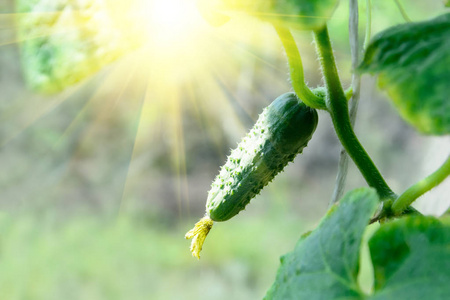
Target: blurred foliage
65,41
133,257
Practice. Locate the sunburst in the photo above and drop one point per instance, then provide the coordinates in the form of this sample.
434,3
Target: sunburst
162,52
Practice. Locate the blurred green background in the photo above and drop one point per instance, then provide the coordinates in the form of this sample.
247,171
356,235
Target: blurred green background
100,181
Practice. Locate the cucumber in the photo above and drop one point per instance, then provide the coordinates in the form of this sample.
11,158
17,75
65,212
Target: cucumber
282,131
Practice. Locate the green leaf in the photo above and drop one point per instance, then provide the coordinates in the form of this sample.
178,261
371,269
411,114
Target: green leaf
296,14
325,263
412,61
411,259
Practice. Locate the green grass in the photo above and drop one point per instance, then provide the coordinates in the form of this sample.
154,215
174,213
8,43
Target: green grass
90,257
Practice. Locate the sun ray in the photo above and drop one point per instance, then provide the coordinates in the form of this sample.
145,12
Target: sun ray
296,16
33,110
243,51
120,96
206,119
112,76
18,27
126,70
149,112
181,66
179,154
242,115
9,36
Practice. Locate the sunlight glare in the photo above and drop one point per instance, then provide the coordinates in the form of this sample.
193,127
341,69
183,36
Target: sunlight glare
172,20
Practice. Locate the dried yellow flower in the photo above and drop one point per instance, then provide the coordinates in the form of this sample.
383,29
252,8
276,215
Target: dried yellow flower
198,235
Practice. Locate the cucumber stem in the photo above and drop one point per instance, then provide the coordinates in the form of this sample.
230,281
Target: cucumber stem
296,70
353,22
337,106
421,187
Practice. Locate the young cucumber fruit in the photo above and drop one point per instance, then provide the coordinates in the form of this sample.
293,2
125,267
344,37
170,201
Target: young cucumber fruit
282,131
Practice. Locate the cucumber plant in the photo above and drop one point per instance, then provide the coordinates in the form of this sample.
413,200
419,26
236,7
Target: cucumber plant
410,253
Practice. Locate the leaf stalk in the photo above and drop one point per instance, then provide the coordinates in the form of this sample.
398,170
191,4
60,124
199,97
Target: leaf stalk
420,188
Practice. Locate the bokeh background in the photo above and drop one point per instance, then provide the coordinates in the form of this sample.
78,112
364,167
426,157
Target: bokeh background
112,129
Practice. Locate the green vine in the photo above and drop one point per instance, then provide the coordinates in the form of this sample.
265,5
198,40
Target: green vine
296,70
337,106
353,22
420,188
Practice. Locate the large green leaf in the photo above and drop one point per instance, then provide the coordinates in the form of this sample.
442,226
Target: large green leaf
325,263
413,61
296,14
411,259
